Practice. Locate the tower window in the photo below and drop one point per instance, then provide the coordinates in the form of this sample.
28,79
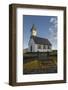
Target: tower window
33,31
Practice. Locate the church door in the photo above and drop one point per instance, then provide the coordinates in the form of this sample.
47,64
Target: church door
31,48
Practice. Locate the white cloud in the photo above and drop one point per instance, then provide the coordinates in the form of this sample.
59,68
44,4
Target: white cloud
53,31
53,20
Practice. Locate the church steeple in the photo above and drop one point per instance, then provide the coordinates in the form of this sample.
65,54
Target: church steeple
33,31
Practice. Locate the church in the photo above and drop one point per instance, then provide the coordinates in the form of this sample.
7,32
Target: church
38,44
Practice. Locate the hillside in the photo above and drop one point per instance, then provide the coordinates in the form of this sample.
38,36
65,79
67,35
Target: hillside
40,62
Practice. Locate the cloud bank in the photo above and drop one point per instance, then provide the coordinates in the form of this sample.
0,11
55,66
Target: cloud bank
53,32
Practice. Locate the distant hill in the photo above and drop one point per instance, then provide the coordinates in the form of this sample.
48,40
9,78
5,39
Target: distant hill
25,50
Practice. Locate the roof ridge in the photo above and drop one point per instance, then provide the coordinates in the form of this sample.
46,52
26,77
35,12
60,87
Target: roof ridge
40,37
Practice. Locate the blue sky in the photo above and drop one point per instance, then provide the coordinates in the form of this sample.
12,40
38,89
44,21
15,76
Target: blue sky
46,27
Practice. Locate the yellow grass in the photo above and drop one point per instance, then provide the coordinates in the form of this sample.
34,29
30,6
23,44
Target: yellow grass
36,64
32,65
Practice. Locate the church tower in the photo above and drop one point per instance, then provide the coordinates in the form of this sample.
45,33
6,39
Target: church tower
33,31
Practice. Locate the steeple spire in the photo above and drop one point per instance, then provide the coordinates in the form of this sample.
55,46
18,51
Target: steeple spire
33,27
33,30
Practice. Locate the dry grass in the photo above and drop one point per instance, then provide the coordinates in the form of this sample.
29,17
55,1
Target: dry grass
40,65
40,62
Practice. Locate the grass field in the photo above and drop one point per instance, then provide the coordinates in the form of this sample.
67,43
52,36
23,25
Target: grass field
35,63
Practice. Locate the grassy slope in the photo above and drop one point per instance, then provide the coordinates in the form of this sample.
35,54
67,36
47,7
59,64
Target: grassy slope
39,65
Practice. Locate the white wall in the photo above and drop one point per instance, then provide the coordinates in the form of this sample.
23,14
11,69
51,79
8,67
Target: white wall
4,47
34,47
42,49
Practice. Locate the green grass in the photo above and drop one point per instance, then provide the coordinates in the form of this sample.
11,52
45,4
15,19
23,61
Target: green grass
30,54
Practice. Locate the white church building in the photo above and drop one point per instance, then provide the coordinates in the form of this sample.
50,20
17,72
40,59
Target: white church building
38,44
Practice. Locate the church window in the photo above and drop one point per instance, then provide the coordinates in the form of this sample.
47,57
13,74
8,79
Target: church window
44,46
39,46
